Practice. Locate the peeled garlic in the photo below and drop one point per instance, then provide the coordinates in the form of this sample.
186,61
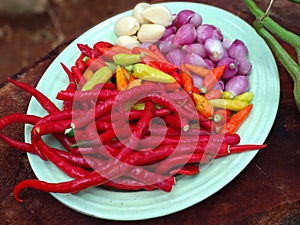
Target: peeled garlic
158,14
127,41
150,33
127,25
138,10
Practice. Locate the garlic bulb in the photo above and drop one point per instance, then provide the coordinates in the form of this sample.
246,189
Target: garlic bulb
127,25
138,12
150,33
128,41
158,14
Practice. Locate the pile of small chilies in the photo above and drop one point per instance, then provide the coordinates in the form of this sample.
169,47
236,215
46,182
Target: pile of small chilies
130,121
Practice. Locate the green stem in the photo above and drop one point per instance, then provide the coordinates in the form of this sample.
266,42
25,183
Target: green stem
290,65
272,26
296,1
298,54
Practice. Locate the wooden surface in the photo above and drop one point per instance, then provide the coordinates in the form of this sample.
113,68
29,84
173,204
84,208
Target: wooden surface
266,192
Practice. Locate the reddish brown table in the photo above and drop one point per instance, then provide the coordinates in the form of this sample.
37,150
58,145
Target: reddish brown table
266,192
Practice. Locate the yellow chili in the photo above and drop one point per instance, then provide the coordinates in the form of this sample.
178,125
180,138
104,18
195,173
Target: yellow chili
230,104
246,96
149,73
125,59
102,75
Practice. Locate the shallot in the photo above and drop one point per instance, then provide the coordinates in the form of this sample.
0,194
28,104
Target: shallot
187,16
214,49
185,35
231,67
206,31
238,50
237,85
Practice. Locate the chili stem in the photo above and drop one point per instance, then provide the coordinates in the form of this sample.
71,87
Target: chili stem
272,26
290,65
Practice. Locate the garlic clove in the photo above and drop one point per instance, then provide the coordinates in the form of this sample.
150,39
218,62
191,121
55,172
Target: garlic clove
127,25
150,33
128,41
138,11
158,14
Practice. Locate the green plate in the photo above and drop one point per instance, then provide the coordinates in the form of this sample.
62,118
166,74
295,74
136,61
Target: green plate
114,205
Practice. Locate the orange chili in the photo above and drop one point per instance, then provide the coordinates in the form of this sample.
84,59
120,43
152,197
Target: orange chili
121,79
198,70
202,105
211,80
236,120
187,79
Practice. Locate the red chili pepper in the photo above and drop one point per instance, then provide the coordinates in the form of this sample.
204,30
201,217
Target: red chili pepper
196,90
88,51
18,118
77,75
142,125
103,94
159,130
87,162
45,102
100,45
151,141
68,72
106,85
92,179
52,127
92,114
94,63
80,64
177,77
187,170
177,122
221,116
156,180
72,86
163,66
17,144
137,114
50,154
179,160
238,149
127,184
